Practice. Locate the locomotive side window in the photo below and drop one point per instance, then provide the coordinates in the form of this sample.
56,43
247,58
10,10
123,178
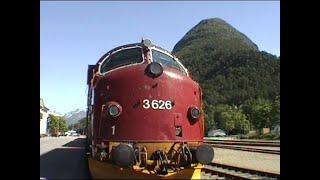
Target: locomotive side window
122,58
166,60
92,97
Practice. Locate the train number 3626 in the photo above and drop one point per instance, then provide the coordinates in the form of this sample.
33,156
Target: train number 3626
157,104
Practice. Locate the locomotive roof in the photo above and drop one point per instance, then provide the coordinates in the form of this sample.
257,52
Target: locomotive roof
129,45
92,69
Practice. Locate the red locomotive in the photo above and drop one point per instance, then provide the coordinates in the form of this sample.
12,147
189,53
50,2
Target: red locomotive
145,115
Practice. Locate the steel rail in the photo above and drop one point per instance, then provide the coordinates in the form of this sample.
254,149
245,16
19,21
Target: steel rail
243,143
234,172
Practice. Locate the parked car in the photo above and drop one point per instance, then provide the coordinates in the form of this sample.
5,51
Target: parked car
68,133
74,134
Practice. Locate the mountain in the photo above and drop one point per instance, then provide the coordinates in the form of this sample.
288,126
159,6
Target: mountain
228,65
214,35
54,112
73,117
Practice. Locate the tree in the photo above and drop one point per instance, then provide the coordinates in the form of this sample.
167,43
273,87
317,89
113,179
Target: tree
235,121
54,124
226,121
275,112
242,123
57,124
62,125
231,119
209,118
261,114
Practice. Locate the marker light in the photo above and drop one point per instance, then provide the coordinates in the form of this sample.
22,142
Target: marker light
194,112
114,109
146,42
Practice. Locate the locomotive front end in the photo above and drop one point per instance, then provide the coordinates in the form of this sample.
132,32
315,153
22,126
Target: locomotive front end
145,113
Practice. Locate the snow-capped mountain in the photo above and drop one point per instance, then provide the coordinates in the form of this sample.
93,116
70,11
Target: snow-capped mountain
73,117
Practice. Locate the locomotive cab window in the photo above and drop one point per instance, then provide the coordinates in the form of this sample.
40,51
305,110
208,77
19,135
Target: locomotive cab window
166,60
122,58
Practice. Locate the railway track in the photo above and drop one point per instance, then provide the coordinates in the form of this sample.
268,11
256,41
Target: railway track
267,151
244,143
221,171
243,140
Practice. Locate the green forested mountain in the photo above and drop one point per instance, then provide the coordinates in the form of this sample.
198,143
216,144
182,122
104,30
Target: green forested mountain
215,35
228,65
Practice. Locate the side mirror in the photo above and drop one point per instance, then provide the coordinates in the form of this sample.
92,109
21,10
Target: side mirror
190,75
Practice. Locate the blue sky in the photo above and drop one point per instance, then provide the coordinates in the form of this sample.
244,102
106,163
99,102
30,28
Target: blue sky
75,34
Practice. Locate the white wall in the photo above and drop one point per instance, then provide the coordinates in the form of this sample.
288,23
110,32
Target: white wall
43,122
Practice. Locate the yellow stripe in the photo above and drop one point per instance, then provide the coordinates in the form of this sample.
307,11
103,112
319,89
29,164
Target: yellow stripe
197,172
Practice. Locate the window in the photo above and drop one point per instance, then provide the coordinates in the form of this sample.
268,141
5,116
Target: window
166,60
122,58
41,116
92,97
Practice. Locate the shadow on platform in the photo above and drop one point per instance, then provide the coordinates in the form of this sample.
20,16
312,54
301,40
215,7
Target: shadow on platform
79,142
65,163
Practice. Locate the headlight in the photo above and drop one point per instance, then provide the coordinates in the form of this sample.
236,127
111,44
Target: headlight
194,112
114,109
155,69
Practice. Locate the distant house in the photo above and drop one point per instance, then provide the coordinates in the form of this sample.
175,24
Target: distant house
276,129
44,117
44,113
265,131
217,132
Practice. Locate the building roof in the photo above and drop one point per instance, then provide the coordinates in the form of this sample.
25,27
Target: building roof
55,113
217,130
42,106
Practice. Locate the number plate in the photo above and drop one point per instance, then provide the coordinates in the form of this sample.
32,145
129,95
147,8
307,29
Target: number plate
157,104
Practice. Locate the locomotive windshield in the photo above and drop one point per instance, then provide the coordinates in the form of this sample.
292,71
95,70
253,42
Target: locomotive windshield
122,58
166,60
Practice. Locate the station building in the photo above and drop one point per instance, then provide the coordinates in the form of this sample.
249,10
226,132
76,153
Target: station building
44,117
44,114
